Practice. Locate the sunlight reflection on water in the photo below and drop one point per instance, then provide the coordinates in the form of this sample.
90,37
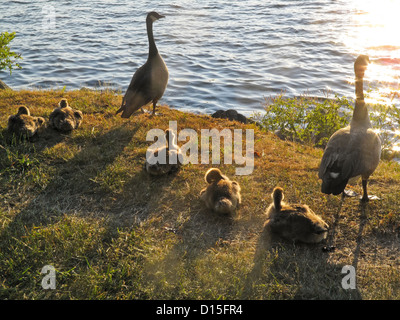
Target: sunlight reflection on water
219,54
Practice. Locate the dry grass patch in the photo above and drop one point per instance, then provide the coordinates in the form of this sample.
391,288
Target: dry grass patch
82,203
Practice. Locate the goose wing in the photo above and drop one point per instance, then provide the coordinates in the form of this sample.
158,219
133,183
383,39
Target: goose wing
340,162
138,93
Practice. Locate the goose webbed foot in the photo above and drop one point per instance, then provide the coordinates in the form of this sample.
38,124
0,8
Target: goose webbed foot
350,193
363,198
368,198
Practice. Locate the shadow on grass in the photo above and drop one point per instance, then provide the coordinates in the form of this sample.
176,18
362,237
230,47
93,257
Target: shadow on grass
175,275
304,268
71,189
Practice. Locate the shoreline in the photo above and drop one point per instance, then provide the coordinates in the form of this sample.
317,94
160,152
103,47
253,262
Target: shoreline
229,114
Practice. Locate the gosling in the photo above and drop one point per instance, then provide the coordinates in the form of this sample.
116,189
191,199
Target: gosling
166,159
296,222
64,118
23,125
221,195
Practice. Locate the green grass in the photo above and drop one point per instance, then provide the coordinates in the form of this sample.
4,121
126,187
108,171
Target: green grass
82,204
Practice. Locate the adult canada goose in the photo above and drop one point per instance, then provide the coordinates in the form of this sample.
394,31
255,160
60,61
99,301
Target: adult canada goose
354,150
23,124
64,118
150,80
221,195
296,222
171,162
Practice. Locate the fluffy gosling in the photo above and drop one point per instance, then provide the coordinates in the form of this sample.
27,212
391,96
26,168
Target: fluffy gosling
23,125
64,118
221,195
296,222
172,160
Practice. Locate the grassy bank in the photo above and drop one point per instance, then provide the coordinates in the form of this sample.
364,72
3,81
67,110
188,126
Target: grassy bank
82,204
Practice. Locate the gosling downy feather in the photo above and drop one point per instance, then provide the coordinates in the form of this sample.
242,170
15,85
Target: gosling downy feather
221,195
150,80
23,124
354,150
64,118
170,154
296,222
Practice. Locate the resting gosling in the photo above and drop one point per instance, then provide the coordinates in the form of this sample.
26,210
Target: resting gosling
296,222
64,118
221,195
24,125
170,154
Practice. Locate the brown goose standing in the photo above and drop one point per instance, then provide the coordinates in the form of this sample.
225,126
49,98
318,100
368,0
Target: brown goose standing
150,80
354,150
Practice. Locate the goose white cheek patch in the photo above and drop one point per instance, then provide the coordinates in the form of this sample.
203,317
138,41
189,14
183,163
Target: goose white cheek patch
334,175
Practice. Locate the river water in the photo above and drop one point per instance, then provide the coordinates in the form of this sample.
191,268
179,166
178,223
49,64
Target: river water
220,54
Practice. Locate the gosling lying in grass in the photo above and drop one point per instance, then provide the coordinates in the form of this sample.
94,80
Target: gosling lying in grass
23,125
221,195
295,222
64,118
169,163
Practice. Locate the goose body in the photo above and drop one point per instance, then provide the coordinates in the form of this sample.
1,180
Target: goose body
171,151
221,195
23,124
150,80
296,222
354,150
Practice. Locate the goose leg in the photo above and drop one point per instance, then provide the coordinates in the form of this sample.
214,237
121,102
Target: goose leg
154,108
365,197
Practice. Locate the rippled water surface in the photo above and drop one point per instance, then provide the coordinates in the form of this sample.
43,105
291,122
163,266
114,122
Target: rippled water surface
220,54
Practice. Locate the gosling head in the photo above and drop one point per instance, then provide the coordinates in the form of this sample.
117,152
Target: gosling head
360,65
154,16
214,175
169,137
23,110
63,103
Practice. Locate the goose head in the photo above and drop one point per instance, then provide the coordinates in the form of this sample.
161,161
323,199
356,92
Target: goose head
360,65
154,16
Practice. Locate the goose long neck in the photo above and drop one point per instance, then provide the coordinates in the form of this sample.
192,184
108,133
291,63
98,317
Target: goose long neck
152,45
359,88
360,113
